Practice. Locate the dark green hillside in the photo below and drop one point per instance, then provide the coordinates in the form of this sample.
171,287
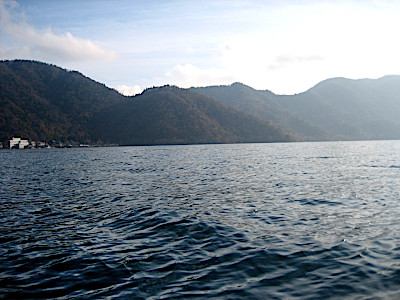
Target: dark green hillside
39,101
170,115
45,102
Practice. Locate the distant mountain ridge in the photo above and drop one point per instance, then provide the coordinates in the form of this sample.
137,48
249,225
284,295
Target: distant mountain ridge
44,102
265,105
334,109
180,116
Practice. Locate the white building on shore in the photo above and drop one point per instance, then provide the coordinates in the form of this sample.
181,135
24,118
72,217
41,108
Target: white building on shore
18,143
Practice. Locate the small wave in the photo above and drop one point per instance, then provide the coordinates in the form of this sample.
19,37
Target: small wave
172,224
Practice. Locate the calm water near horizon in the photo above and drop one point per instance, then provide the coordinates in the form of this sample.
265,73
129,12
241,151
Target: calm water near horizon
238,221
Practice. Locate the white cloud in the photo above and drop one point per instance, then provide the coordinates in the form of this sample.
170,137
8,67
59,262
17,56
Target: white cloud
26,41
188,76
129,90
284,60
304,44
284,46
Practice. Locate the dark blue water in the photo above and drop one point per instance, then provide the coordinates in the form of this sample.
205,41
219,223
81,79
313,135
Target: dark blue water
247,221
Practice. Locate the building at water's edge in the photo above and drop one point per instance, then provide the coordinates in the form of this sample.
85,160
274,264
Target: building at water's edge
23,143
18,143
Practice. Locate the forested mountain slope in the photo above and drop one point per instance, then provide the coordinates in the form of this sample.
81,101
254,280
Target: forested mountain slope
170,115
43,102
335,109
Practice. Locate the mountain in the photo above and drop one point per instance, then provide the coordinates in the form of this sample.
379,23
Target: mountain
335,109
351,109
171,115
264,105
44,102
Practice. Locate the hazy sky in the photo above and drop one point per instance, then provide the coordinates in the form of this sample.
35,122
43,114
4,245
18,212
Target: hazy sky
283,46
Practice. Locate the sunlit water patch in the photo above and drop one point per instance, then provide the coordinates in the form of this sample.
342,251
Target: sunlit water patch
252,221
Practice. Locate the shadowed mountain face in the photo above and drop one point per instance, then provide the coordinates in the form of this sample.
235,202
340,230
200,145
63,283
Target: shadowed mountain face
44,102
335,109
170,115
352,109
265,105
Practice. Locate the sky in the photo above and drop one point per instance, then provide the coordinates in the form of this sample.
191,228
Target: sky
283,46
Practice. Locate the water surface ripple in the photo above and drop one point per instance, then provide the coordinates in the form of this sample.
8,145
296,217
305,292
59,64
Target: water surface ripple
251,221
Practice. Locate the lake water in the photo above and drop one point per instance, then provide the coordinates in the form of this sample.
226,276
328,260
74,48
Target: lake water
242,221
